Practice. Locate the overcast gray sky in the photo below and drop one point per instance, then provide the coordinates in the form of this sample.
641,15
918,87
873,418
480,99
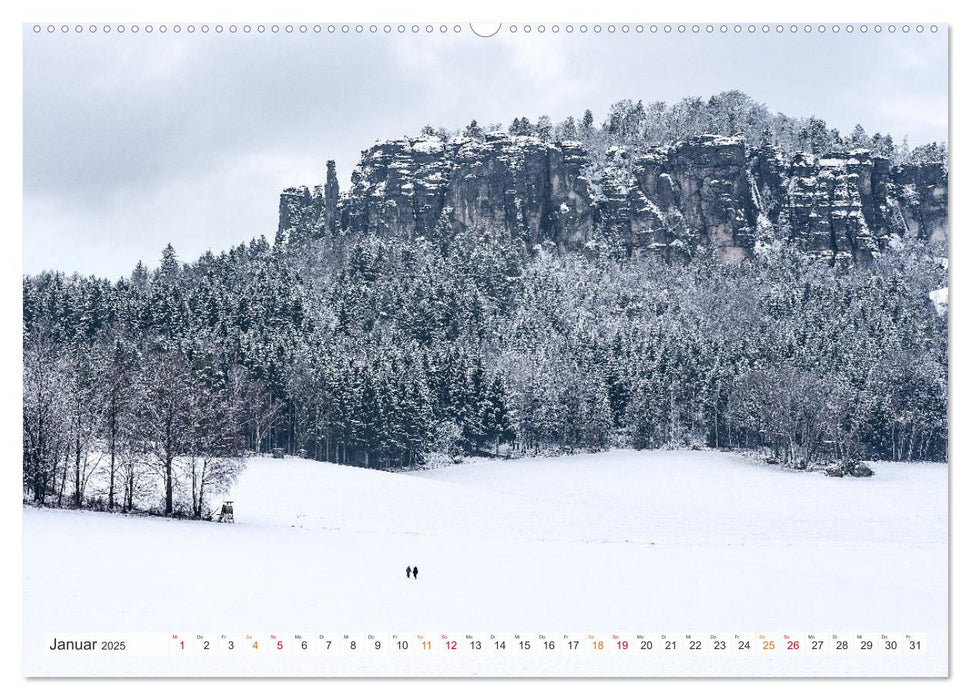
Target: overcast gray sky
134,141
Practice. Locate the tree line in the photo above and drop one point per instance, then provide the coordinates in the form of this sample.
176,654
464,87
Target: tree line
634,124
146,392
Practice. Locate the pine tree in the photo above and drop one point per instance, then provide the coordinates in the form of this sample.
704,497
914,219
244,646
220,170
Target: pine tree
497,419
474,131
586,124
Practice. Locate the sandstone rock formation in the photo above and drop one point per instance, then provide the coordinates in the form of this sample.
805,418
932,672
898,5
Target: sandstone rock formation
705,193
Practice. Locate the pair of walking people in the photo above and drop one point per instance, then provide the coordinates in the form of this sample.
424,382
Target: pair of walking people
411,571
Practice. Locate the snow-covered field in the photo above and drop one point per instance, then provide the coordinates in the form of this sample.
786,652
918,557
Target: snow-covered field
620,542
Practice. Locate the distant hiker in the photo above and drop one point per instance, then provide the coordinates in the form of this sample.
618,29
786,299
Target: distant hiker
408,572
415,572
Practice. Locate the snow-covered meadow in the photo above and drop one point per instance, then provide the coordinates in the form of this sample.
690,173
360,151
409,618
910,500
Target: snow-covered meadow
623,541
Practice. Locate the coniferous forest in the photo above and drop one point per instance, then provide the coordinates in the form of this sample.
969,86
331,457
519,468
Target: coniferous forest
386,351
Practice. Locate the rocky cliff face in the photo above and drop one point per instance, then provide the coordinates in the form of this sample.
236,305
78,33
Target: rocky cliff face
519,187
305,214
705,193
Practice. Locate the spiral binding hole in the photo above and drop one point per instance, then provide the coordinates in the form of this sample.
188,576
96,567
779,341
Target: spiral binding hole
598,29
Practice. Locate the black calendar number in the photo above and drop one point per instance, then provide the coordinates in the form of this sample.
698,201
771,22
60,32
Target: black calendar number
524,645
915,645
231,645
647,646
865,645
841,646
817,644
550,645
694,646
670,645
353,645
500,645
890,645
744,645
476,645
719,646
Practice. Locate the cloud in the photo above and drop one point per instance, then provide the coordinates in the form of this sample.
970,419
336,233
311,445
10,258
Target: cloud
134,141
211,209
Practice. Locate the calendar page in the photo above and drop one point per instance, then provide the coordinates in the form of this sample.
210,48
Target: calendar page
435,349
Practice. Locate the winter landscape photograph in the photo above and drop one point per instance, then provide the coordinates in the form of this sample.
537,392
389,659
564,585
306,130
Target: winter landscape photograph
409,334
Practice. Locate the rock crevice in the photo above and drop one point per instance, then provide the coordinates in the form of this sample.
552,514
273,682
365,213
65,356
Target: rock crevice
705,193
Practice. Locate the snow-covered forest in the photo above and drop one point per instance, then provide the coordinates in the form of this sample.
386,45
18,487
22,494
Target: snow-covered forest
384,350
636,123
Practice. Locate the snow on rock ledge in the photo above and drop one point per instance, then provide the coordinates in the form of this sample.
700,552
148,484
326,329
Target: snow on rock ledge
706,192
